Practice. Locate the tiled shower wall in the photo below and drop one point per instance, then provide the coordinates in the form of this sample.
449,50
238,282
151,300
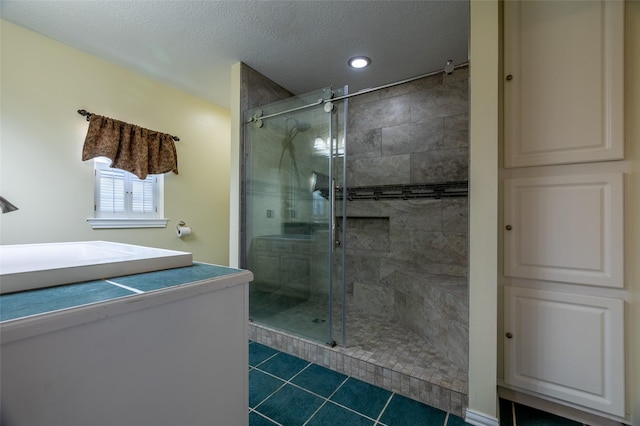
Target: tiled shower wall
407,259
255,90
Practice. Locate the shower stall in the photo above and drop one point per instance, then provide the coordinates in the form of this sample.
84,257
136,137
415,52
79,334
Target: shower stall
294,166
355,226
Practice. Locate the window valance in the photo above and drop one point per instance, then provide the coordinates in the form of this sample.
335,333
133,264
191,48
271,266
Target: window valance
132,148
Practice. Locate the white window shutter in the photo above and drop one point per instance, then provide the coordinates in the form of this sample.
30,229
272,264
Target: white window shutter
112,191
143,195
120,194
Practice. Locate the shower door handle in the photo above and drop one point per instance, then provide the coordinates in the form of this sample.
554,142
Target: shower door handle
332,196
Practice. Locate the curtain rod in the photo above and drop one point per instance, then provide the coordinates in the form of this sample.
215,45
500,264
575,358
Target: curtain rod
88,114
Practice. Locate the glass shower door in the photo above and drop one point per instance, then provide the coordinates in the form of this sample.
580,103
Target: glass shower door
292,166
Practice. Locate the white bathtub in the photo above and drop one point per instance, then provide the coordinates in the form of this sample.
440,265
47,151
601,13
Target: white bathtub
29,266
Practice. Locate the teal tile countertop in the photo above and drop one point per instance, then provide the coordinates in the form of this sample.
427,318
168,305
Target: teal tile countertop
44,300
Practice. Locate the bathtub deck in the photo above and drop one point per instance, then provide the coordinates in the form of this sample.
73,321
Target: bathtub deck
52,299
132,342
382,353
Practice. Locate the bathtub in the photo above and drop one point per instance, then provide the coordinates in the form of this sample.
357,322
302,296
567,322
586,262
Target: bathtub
31,266
160,348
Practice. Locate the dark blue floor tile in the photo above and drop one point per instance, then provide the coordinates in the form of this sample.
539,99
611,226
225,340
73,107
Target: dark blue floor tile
284,365
506,413
258,420
290,406
258,353
331,415
403,411
362,397
261,386
319,380
528,416
458,421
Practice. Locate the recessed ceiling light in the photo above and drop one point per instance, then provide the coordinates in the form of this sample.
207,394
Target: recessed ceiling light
359,62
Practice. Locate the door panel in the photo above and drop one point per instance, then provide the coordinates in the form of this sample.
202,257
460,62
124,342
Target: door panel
566,346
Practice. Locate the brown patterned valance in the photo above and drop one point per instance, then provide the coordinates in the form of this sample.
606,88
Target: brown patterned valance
132,148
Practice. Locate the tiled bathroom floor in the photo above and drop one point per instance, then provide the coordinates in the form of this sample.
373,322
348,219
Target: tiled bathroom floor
286,390
514,414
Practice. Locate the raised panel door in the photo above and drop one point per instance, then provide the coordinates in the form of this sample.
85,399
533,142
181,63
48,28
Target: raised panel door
566,228
566,346
563,88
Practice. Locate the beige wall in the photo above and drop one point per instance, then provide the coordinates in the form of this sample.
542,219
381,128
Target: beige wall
43,84
483,207
236,118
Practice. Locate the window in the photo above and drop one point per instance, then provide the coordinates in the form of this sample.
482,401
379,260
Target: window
121,200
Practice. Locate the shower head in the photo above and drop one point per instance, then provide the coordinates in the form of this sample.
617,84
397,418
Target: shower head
6,206
299,126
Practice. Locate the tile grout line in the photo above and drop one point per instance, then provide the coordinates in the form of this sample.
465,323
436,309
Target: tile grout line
265,360
326,400
377,421
126,287
286,382
344,406
268,418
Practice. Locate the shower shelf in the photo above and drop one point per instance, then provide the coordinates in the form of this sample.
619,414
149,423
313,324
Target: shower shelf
452,189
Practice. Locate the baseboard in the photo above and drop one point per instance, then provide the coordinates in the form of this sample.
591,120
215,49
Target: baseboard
480,419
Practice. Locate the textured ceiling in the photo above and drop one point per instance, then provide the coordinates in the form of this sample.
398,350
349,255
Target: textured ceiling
301,45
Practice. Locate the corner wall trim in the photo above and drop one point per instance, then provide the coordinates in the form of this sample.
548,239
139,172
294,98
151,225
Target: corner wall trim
480,419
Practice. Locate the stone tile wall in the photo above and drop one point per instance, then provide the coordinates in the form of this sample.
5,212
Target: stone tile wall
412,133
401,254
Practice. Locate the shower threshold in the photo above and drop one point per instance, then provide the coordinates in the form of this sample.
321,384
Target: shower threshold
382,353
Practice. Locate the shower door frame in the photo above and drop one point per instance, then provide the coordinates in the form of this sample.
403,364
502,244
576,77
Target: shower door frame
336,243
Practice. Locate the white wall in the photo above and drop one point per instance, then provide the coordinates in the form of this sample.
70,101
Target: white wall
43,84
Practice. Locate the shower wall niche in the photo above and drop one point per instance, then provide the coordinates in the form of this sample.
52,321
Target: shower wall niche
407,259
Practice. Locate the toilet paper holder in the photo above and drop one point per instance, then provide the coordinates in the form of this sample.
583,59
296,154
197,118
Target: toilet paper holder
182,230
